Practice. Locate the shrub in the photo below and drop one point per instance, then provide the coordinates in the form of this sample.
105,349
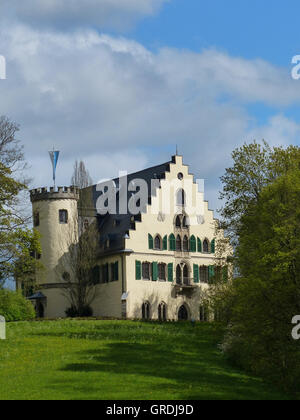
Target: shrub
14,307
73,312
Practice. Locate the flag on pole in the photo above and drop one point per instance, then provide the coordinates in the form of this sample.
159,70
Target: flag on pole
54,159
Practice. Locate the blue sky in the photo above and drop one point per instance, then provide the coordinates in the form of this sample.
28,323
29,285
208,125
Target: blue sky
119,83
267,29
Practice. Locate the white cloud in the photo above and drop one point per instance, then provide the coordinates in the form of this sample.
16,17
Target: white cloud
279,131
110,100
117,14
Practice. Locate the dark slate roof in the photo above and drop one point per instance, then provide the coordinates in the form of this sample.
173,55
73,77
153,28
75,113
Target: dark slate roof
38,295
114,227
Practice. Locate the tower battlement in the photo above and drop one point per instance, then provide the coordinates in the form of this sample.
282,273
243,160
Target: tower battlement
60,193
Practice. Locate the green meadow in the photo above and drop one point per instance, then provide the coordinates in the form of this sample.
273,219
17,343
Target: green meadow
87,360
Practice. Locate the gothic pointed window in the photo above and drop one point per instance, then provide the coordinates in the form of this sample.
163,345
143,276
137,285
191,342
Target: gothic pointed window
206,246
146,311
185,244
157,242
186,275
162,312
178,274
178,244
178,222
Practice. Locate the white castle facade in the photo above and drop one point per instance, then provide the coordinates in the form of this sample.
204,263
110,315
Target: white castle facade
156,264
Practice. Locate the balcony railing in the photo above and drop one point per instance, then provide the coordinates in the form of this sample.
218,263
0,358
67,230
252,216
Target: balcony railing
186,281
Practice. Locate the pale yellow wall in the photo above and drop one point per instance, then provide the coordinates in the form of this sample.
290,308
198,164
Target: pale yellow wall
108,301
157,292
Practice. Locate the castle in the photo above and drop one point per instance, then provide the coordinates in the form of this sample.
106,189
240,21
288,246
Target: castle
154,263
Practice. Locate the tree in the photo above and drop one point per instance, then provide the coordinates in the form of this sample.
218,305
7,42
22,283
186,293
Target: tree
254,167
13,220
78,268
81,177
259,305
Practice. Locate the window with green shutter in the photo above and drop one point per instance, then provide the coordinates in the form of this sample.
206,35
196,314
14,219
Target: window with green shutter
155,271
196,273
165,243
150,241
199,243
170,272
138,270
193,244
211,273
213,246
172,242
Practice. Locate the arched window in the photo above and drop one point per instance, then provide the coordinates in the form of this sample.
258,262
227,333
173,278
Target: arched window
146,311
206,246
157,242
181,198
172,242
162,272
185,222
178,222
185,244
178,275
204,274
193,246
162,312
178,244
186,279
183,313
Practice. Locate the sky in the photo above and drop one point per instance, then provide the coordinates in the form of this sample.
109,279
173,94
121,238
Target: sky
120,83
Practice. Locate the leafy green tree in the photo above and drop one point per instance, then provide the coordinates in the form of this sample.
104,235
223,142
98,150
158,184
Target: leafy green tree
259,305
254,167
14,234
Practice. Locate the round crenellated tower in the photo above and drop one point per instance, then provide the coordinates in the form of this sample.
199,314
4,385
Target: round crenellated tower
55,216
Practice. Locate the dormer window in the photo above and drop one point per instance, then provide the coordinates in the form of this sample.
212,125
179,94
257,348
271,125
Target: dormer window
63,217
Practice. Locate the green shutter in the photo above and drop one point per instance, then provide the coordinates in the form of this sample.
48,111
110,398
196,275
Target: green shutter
154,271
213,246
225,274
211,272
172,242
193,244
165,243
117,271
199,242
196,273
138,270
170,273
150,240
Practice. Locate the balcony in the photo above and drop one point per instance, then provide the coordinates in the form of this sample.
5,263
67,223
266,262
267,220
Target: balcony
185,285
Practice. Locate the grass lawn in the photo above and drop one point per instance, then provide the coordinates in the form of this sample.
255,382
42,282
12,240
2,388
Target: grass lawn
120,360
